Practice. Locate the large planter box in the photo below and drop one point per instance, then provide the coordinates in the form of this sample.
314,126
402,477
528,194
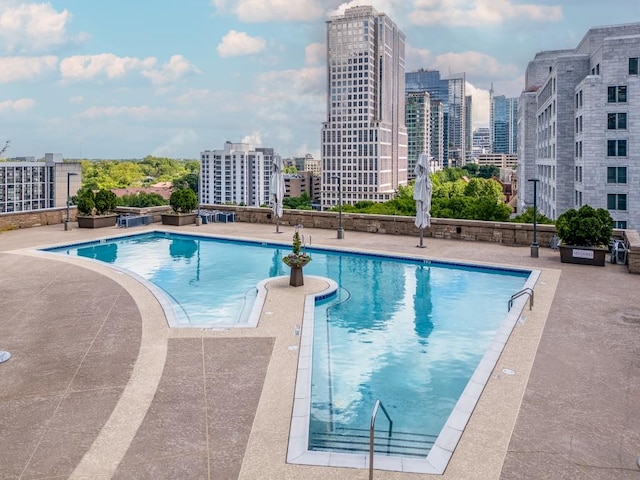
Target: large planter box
583,255
177,220
98,221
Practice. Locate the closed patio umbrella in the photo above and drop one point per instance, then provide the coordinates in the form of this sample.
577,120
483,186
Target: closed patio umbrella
422,191
276,189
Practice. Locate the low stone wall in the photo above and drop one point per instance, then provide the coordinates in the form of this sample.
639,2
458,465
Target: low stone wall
506,233
36,218
499,232
632,240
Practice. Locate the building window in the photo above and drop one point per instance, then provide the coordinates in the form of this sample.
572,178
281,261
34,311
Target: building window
617,94
617,121
616,174
633,66
617,201
622,224
616,148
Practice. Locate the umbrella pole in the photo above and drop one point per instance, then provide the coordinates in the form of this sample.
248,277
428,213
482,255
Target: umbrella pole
277,224
421,235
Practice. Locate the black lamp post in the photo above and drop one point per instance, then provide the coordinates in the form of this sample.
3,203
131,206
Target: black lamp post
534,244
340,229
69,175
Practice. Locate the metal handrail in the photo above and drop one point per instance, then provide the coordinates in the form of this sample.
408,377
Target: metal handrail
374,414
524,291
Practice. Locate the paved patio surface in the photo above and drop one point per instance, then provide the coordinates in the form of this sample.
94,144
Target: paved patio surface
99,387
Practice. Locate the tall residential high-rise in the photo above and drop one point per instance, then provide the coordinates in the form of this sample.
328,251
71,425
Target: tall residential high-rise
437,134
579,127
481,141
468,141
26,184
503,123
418,120
238,174
451,92
364,140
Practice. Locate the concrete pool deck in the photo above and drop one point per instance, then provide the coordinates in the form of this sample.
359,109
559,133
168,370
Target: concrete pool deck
99,387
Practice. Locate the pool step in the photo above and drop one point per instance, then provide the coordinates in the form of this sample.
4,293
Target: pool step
354,440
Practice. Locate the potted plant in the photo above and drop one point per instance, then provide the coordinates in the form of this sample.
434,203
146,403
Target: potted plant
296,260
96,208
585,234
183,202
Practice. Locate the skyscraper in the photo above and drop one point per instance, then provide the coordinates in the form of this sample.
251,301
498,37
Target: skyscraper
364,140
418,120
503,124
579,126
452,93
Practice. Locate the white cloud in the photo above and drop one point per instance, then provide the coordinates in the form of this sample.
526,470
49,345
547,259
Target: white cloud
236,44
141,113
290,102
177,142
32,27
261,11
480,105
76,99
88,67
478,13
391,7
16,69
474,64
21,105
176,68
254,139
315,53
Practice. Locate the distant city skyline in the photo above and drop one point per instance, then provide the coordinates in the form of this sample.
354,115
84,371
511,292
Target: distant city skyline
123,80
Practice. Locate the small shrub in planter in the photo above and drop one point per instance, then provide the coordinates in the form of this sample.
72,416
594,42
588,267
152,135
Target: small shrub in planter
101,203
183,201
586,227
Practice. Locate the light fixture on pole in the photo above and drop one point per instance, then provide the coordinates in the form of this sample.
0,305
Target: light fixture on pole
69,175
340,229
534,244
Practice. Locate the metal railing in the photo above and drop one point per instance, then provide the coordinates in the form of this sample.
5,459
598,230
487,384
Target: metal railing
524,291
374,414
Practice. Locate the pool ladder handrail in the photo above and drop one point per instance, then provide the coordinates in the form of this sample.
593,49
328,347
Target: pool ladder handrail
524,291
374,414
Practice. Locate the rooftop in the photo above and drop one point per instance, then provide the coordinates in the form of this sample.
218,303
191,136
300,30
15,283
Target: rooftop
99,387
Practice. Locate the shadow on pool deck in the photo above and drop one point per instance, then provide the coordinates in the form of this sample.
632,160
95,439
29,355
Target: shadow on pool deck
80,336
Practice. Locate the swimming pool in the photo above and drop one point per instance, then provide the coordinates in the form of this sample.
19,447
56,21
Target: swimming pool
407,331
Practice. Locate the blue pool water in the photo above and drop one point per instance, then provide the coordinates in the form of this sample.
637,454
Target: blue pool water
406,331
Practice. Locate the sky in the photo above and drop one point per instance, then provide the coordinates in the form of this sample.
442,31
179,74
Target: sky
126,79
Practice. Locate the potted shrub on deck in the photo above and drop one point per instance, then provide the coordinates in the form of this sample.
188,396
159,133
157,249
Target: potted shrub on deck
296,260
183,202
96,209
585,234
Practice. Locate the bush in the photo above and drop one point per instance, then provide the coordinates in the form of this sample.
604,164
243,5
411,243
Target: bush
585,227
105,201
183,201
85,200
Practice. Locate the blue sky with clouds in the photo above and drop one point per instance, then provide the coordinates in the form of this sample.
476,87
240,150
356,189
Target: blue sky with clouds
126,79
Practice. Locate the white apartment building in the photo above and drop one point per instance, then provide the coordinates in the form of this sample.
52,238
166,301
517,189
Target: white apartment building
364,140
238,174
579,126
26,184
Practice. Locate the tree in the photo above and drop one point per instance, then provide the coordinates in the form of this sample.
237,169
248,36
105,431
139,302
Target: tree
527,217
303,202
141,200
105,201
